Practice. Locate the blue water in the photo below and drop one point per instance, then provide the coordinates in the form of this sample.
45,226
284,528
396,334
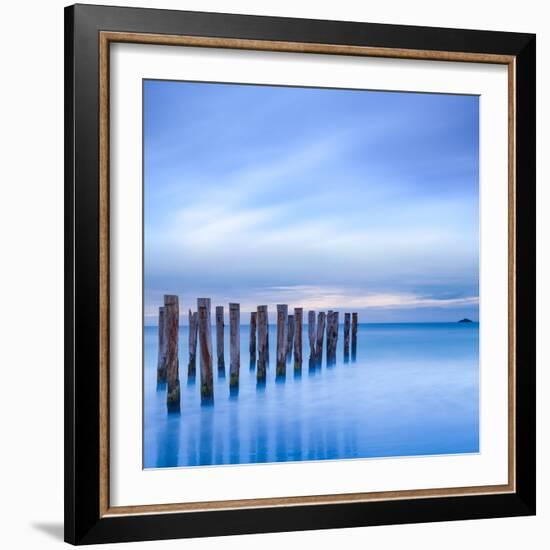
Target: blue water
412,390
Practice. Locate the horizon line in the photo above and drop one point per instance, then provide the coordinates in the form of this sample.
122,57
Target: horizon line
362,323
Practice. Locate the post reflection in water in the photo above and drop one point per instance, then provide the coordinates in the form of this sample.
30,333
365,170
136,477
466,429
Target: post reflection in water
260,440
190,438
408,390
218,445
280,442
295,446
234,436
206,431
168,443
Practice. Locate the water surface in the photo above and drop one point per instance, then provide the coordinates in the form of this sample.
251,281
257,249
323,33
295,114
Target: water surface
412,390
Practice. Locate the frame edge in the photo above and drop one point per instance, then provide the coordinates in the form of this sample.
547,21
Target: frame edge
69,420
526,274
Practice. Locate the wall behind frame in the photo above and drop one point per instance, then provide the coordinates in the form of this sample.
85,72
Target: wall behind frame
31,253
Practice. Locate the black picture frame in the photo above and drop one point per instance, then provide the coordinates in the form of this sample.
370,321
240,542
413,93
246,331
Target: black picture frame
84,523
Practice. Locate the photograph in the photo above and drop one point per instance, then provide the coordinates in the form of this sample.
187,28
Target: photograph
310,274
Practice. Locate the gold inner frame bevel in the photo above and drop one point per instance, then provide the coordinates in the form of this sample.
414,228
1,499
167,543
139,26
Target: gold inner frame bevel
105,39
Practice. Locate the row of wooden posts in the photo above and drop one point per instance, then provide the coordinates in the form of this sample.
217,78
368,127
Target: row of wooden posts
289,343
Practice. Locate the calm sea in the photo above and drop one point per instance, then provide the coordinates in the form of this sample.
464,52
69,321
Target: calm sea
412,390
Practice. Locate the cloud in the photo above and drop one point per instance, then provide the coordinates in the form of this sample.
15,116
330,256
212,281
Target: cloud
324,299
371,199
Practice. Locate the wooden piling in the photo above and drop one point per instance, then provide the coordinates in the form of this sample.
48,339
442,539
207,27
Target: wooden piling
282,335
321,320
332,337
353,336
262,343
347,323
171,332
298,315
234,344
205,343
290,337
161,361
327,330
193,329
252,338
267,336
220,327
311,332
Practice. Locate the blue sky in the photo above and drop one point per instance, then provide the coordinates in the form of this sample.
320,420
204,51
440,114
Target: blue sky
326,199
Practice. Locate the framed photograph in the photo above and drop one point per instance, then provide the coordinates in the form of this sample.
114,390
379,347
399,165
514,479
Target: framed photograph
300,274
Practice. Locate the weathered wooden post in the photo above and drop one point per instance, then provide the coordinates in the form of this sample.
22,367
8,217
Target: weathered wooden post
311,332
321,318
252,337
161,361
219,338
298,314
234,344
347,323
282,335
290,337
332,337
193,328
262,343
353,336
205,342
327,330
267,336
171,330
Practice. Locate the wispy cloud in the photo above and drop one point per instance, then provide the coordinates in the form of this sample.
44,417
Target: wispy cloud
368,199
324,299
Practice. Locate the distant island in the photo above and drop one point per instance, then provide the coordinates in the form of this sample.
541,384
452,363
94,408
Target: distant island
465,320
